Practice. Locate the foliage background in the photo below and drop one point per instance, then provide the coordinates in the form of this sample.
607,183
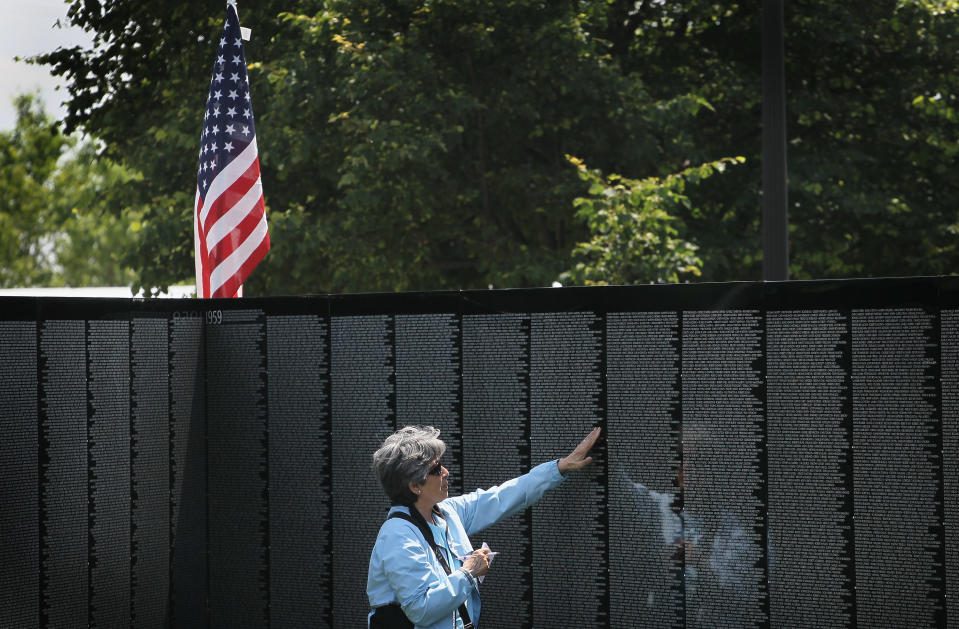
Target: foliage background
428,144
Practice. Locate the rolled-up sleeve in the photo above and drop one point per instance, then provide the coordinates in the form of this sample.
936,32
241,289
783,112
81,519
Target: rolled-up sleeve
485,507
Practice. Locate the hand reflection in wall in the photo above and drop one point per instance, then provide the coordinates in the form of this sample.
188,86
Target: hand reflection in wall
711,550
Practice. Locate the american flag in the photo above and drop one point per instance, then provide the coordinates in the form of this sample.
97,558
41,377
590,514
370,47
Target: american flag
229,218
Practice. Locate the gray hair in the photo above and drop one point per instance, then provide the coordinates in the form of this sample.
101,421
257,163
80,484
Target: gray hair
405,457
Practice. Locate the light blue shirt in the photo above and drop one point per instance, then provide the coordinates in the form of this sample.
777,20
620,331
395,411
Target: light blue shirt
403,569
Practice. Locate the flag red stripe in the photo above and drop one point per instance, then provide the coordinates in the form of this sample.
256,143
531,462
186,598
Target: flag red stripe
218,218
232,194
229,288
231,217
238,234
231,172
233,263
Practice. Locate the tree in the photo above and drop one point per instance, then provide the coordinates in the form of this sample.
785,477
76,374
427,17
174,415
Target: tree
404,145
871,142
633,234
56,223
408,144
28,157
93,240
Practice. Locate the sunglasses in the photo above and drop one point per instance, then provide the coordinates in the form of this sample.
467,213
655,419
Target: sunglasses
436,470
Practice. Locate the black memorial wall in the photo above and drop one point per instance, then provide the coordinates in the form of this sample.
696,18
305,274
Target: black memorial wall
776,455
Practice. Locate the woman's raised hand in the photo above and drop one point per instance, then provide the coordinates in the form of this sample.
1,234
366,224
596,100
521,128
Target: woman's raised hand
578,459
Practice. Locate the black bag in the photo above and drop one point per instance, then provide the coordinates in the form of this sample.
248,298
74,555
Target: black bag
391,616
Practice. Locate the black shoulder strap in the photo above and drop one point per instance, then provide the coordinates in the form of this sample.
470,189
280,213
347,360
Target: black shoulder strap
416,518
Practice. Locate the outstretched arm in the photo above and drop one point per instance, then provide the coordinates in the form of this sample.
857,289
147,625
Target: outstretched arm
484,507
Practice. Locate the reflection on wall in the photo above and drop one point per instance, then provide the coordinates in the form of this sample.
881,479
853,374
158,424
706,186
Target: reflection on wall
775,456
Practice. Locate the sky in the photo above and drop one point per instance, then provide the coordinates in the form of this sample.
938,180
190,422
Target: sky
27,28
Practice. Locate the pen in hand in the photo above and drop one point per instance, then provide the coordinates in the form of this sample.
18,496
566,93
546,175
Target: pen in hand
490,554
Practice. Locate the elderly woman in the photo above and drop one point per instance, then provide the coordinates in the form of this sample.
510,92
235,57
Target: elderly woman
423,569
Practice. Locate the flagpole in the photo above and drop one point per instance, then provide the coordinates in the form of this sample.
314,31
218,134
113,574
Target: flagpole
239,289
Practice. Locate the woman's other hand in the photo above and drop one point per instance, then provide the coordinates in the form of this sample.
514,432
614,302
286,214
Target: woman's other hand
478,563
578,459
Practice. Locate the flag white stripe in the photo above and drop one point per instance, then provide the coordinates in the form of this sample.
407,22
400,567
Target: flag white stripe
232,263
226,223
225,178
